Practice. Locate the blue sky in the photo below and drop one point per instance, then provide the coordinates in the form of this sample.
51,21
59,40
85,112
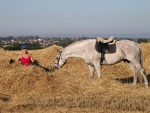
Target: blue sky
74,17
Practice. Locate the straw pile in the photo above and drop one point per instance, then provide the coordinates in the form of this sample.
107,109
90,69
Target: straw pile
70,89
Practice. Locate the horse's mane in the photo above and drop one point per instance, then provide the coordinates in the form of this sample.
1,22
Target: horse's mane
78,42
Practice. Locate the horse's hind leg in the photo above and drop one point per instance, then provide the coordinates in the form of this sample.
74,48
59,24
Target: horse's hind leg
134,71
142,71
91,67
145,78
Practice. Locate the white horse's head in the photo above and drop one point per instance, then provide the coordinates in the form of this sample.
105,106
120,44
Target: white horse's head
60,59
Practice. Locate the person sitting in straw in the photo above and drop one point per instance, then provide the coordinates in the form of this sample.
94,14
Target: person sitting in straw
25,57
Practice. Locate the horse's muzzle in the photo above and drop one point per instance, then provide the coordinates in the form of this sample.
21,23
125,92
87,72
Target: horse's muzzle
56,67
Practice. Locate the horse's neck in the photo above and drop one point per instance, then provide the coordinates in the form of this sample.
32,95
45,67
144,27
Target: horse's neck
77,49
73,52
69,54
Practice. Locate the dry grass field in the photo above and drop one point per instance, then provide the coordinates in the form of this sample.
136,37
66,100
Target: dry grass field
70,90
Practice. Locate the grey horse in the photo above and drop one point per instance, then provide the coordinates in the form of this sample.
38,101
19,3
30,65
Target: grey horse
125,50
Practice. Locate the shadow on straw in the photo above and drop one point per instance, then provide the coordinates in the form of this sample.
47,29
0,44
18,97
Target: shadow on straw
130,79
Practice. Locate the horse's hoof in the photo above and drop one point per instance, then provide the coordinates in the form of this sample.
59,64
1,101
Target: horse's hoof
146,86
133,84
100,77
92,78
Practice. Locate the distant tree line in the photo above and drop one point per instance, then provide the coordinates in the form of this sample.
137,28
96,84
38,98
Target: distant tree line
138,40
19,37
143,40
65,42
61,42
18,46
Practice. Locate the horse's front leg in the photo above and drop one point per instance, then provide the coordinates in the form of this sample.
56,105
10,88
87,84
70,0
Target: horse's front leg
91,67
97,67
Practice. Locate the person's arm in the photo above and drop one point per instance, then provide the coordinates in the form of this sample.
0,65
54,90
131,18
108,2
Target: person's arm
12,61
19,57
31,57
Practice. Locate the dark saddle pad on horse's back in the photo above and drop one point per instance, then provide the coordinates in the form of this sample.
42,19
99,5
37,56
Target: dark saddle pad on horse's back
105,47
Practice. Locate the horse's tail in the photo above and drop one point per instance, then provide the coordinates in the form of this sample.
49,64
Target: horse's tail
140,50
141,63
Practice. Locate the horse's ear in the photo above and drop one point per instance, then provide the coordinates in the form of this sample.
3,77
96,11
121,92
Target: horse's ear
59,50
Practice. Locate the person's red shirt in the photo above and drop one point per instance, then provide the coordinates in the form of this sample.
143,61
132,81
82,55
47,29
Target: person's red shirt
26,61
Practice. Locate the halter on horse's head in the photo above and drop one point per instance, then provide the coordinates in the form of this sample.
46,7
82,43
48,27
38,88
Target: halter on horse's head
59,60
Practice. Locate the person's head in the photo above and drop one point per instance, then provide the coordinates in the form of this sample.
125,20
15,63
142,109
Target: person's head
24,48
